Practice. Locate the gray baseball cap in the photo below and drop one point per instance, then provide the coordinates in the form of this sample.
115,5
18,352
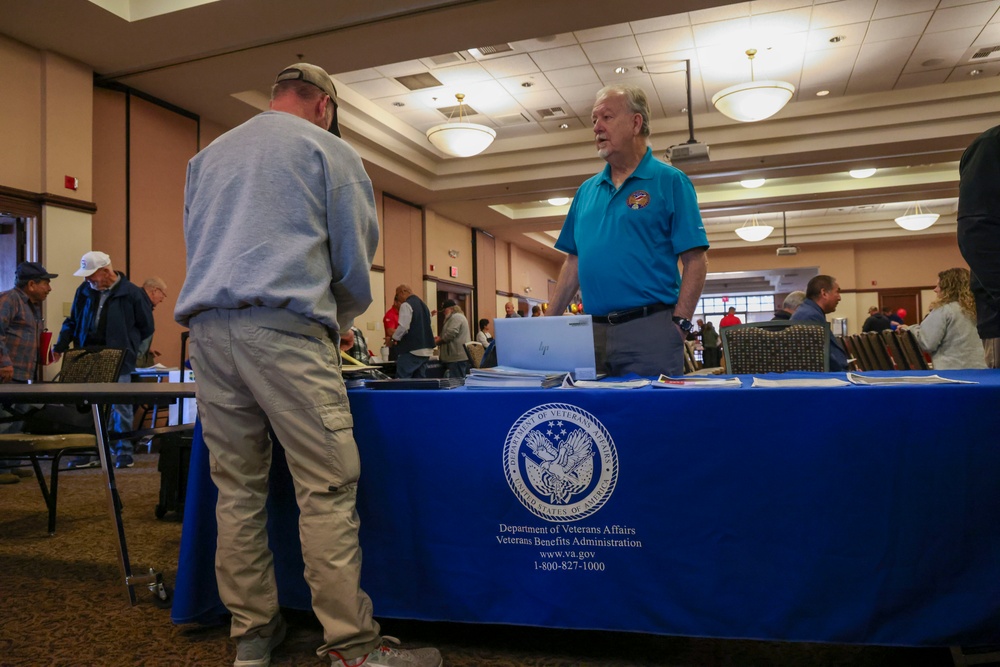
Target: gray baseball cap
318,77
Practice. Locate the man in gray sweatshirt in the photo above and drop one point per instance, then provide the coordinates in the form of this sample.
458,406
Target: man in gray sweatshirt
281,230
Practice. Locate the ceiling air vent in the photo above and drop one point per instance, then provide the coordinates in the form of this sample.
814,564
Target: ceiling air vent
419,81
550,113
981,54
452,111
447,59
491,51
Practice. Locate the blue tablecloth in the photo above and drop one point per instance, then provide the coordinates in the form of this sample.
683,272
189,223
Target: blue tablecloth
853,514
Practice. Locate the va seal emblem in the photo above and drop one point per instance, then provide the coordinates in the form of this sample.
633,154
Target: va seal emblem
560,462
638,199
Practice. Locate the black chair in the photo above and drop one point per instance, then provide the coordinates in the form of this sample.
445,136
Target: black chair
877,350
79,365
911,350
776,347
895,349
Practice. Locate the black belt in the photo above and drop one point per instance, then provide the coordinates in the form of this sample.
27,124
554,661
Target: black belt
623,316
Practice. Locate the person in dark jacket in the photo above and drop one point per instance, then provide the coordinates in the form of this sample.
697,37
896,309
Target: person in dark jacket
979,234
876,321
413,337
108,311
789,306
822,297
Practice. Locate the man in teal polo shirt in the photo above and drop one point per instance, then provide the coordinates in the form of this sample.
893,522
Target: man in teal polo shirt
626,230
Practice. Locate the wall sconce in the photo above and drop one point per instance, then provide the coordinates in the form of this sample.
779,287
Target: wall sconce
453,254
527,290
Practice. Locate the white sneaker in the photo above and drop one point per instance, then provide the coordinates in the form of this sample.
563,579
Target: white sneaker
388,656
254,650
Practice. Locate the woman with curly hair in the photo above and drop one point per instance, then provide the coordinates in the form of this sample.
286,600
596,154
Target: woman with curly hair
948,332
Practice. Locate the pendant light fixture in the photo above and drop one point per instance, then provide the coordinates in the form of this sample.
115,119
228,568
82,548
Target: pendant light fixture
918,220
461,138
753,231
754,100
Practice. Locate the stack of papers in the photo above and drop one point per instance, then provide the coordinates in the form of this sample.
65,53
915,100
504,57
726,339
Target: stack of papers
799,382
507,377
854,378
697,381
570,383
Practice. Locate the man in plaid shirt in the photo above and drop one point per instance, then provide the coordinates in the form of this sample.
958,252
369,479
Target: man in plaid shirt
21,322
21,327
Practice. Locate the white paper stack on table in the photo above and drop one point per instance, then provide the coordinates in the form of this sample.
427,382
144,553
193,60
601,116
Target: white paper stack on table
506,377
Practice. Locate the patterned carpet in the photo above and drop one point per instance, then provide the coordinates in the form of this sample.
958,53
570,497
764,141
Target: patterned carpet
62,604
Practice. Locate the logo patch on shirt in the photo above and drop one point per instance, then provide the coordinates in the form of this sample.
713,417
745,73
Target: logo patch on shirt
638,199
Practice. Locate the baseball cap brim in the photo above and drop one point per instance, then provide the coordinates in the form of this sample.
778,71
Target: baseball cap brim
318,77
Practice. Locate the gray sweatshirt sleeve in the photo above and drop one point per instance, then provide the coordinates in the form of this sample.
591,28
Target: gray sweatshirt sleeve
353,225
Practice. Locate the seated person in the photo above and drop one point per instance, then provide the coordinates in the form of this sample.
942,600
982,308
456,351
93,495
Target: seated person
484,336
948,332
353,343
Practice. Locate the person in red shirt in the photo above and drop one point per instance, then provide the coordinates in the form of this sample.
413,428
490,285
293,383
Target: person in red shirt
390,322
730,319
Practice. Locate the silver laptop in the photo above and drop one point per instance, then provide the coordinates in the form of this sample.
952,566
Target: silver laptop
564,344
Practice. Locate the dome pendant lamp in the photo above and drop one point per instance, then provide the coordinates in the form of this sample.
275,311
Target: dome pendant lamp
461,138
754,100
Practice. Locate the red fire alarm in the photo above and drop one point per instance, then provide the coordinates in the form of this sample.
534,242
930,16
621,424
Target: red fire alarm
453,271
72,183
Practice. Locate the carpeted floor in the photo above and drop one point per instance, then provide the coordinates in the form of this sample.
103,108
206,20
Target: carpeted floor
62,604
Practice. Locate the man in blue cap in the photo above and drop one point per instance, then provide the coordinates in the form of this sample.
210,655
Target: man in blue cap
21,326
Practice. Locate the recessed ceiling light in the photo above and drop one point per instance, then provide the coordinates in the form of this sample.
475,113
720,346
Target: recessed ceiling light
932,62
975,72
527,84
559,201
862,173
564,126
837,38
752,183
822,93
621,70
683,109
399,104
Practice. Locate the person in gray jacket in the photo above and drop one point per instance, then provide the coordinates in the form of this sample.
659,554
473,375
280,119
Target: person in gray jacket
454,335
280,227
948,333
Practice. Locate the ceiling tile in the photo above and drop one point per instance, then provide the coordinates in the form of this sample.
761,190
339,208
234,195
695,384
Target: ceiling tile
550,42
774,27
402,69
941,49
358,75
574,76
899,26
735,10
721,32
964,73
990,35
662,41
889,8
842,12
879,65
758,7
964,16
661,23
566,56
928,78
853,34
605,32
510,66
829,69
609,50
379,88
515,85
461,74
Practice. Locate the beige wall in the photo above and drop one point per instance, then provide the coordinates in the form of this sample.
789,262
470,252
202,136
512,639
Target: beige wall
530,274
404,246
503,267
444,236
21,116
110,175
67,107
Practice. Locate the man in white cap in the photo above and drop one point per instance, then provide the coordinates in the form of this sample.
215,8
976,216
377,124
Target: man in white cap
281,229
108,311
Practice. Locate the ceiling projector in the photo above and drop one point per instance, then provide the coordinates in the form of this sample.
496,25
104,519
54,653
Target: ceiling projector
687,152
787,250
